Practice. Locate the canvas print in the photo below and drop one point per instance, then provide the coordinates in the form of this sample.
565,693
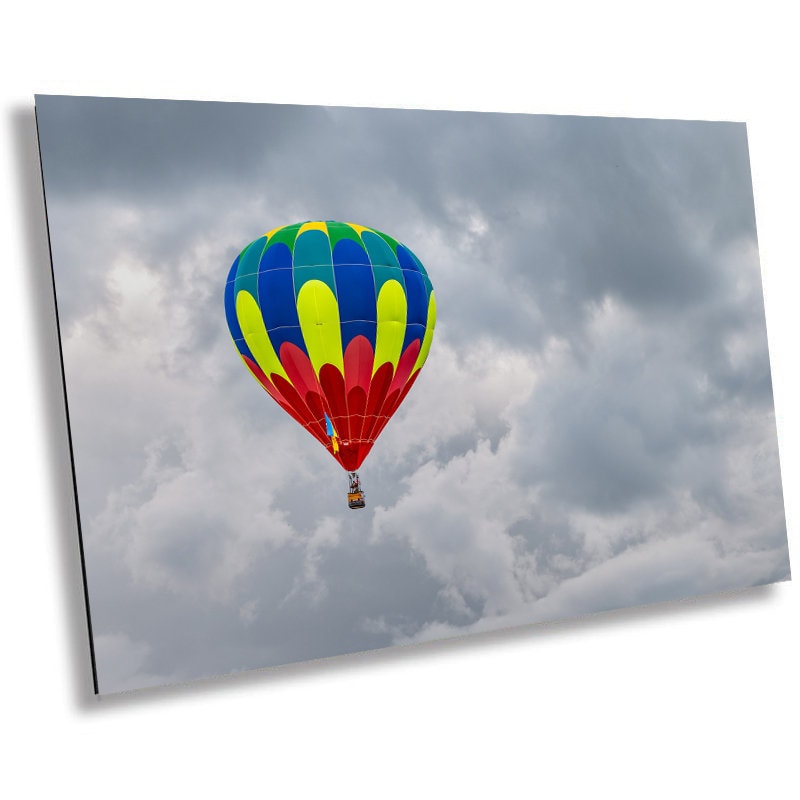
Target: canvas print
341,379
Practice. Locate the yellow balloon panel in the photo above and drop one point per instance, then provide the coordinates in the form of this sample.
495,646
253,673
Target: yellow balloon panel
313,226
392,311
255,334
428,338
318,313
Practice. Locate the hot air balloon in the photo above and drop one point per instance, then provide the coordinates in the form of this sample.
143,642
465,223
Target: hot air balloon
335,321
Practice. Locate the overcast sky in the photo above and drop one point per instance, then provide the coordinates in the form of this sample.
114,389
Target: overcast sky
594,427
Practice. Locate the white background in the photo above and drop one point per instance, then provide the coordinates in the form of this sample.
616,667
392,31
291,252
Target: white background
693,699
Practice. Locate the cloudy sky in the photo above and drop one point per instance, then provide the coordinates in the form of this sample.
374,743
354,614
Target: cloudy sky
593,429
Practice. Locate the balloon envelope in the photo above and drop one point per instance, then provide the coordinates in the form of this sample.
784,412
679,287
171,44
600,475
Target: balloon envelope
335,320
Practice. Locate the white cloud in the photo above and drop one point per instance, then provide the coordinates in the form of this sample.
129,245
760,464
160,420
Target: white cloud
120,662
681,565
463,394
191,503
457,517
508,549
326,535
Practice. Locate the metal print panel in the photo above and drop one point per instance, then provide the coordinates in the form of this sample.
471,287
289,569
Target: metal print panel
340,379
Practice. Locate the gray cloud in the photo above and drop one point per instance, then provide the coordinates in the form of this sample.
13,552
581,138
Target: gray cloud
594,427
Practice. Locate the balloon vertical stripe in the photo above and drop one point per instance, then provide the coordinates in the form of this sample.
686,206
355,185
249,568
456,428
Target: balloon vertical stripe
252,324
319,321
391,324
426,342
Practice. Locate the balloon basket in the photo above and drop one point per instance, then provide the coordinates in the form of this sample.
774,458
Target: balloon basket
355,494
